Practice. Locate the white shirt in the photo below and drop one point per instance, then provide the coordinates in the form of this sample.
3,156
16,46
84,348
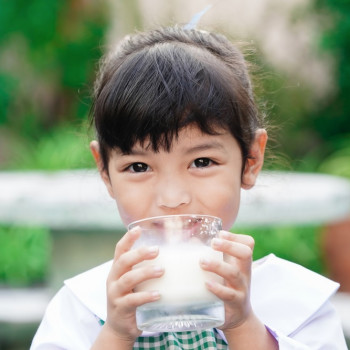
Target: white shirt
291,301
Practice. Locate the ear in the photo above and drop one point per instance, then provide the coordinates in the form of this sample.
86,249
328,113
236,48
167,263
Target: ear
95,150
255,160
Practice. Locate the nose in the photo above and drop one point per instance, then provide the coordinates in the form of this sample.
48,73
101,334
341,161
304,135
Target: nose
172,193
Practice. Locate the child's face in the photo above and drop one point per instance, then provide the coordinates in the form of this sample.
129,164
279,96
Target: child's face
201,174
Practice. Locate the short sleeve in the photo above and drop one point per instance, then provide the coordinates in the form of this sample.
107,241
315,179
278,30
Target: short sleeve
322,331
67,324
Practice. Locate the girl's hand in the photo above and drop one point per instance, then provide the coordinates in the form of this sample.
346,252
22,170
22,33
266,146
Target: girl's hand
236,271
122,279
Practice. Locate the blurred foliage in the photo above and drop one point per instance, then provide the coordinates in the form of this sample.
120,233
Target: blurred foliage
336,40
63,147
313,135
335,115
338,162
298,244
25,254
48,55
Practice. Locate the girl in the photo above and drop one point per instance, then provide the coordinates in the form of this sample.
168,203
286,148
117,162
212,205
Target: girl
179,133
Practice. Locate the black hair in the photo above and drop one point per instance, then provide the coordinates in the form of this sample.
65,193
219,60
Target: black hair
155,83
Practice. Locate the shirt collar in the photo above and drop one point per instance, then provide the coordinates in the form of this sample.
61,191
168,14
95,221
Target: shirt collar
283,294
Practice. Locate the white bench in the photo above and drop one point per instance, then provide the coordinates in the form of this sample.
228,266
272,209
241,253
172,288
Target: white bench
78,200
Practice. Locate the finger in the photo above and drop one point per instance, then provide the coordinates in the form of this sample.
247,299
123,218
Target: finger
132,300
130,280
223,292
126,242
131,258
233,276
232,248
239,238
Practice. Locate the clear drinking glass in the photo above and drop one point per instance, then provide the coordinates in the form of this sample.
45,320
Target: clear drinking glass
185,304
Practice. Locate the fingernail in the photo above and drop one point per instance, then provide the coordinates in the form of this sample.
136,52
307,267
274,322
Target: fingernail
153,249
217,242
135,230
204,261
209,284
158,270
225,234
155,295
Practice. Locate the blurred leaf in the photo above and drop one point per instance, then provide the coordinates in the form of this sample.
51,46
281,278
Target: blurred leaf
50,48
298,244
7,86
62,148
25,254
338,162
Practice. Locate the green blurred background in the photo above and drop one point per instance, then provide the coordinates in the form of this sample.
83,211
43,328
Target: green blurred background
49,52
48,59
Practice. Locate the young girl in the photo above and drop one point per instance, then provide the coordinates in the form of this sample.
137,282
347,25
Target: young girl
179,133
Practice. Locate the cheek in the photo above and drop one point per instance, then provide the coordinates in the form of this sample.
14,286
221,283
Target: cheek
224,201
229,209
132,203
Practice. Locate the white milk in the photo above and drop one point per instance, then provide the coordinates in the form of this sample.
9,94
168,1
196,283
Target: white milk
183,281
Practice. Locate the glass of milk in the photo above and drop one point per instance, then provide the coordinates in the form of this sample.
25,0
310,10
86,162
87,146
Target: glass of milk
185,303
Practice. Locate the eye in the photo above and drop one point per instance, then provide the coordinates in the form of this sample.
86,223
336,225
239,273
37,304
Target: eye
138,168
202,163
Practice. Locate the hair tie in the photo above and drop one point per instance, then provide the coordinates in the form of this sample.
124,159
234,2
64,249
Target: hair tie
196,18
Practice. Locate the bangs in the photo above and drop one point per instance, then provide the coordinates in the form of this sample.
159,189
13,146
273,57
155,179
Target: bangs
155,92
